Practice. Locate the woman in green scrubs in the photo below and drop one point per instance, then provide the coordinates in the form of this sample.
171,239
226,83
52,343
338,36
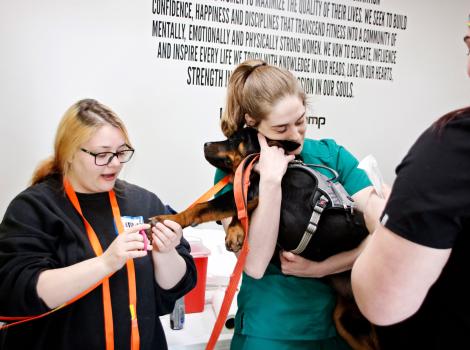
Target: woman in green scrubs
282,304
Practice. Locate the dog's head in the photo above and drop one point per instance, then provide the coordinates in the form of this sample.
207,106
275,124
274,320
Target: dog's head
228,154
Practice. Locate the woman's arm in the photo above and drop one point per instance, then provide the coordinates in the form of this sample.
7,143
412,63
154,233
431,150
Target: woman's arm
264,228
392,276
264,221
292,264
57,286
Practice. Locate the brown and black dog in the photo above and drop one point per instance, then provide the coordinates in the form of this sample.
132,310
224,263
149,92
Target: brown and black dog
330,238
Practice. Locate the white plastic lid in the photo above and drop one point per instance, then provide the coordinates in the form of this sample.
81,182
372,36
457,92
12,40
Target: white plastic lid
198,249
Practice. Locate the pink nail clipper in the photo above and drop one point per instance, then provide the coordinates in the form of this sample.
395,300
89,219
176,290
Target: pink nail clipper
146,240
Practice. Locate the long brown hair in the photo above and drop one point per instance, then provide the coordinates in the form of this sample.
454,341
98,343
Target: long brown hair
254,87
442,121
78,124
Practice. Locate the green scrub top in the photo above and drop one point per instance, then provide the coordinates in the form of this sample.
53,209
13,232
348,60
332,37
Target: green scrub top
283,307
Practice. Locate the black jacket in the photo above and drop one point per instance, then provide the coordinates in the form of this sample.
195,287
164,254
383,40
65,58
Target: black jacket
41,230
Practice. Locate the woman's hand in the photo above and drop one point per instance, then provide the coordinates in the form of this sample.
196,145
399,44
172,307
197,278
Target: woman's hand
292,264
273,161
127,245
169,266
374,207
166,236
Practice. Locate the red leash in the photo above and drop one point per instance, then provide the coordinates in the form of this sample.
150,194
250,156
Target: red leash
241,183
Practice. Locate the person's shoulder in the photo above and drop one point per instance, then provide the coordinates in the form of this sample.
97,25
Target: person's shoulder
322,148
46,194
448,136
456,121
461,123
50,186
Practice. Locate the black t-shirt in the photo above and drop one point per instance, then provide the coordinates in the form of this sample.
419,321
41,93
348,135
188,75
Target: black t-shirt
41,230
430,205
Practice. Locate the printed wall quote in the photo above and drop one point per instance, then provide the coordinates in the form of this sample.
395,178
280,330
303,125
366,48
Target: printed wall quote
329,46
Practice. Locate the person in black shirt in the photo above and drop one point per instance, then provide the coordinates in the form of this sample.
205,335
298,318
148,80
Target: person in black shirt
79,228
410,276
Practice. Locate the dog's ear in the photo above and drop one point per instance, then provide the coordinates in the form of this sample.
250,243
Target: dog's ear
250,140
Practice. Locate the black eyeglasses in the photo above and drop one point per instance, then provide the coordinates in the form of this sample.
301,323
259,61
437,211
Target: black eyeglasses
104,158
466,40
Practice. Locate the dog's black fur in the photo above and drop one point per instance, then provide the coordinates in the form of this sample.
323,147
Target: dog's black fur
331,237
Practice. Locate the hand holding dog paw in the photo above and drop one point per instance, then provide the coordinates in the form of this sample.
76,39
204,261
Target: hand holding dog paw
166,236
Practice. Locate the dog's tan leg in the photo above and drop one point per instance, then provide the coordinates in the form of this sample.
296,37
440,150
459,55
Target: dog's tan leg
346,311
235,232
214,210
198,214
235,235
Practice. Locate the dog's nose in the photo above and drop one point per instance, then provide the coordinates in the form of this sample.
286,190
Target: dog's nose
207,144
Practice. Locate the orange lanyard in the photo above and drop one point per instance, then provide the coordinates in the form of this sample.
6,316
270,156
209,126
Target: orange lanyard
108,311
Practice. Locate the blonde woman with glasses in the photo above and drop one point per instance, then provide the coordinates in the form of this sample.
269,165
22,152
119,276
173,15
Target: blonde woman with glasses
78,232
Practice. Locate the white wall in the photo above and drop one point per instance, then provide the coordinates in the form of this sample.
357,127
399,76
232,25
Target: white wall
56,52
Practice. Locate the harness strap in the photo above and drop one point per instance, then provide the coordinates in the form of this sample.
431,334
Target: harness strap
241,183
320,205
332,193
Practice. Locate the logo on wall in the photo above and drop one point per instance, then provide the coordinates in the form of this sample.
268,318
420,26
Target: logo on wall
316,121
310,119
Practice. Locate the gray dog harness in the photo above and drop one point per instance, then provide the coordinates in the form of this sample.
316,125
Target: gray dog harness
329,194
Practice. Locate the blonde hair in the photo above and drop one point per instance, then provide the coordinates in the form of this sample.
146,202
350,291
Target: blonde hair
78,124
254,87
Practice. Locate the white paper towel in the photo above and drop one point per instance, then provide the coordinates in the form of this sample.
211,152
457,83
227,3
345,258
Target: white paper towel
370,166
217,299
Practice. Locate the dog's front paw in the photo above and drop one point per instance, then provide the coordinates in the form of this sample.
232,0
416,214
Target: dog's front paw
153,221
159,218
234,238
